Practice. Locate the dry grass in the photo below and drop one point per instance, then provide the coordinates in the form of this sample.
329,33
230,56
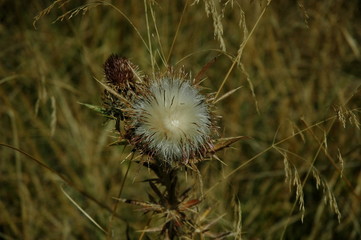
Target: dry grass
297,177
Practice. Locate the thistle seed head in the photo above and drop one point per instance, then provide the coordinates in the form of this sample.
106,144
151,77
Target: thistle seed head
172,121
166,117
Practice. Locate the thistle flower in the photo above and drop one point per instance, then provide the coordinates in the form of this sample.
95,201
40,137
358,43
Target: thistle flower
172,121
166,118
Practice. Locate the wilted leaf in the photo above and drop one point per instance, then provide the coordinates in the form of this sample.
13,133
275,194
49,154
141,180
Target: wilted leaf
226,142
155,229
121,142
146,206
93,107
191,203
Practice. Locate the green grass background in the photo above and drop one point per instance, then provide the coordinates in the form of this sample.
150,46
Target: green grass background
300,72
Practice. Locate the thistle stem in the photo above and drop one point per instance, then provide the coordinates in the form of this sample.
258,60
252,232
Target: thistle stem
167,176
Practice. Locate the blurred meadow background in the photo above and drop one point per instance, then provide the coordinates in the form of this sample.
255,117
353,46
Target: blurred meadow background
297,175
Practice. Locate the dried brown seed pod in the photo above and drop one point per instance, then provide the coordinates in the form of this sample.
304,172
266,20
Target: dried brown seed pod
119,71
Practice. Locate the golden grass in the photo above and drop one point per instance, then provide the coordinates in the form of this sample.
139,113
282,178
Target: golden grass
296,177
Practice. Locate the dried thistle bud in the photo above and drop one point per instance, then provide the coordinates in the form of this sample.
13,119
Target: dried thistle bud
118,71
122,78
172,121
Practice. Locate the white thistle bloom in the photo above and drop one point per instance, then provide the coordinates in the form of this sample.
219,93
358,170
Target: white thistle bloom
172,120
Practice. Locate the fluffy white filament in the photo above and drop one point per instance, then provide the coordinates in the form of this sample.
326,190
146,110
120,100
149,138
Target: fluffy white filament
173,120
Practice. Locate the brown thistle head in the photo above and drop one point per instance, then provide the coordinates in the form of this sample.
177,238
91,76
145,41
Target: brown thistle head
119,71
123,82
